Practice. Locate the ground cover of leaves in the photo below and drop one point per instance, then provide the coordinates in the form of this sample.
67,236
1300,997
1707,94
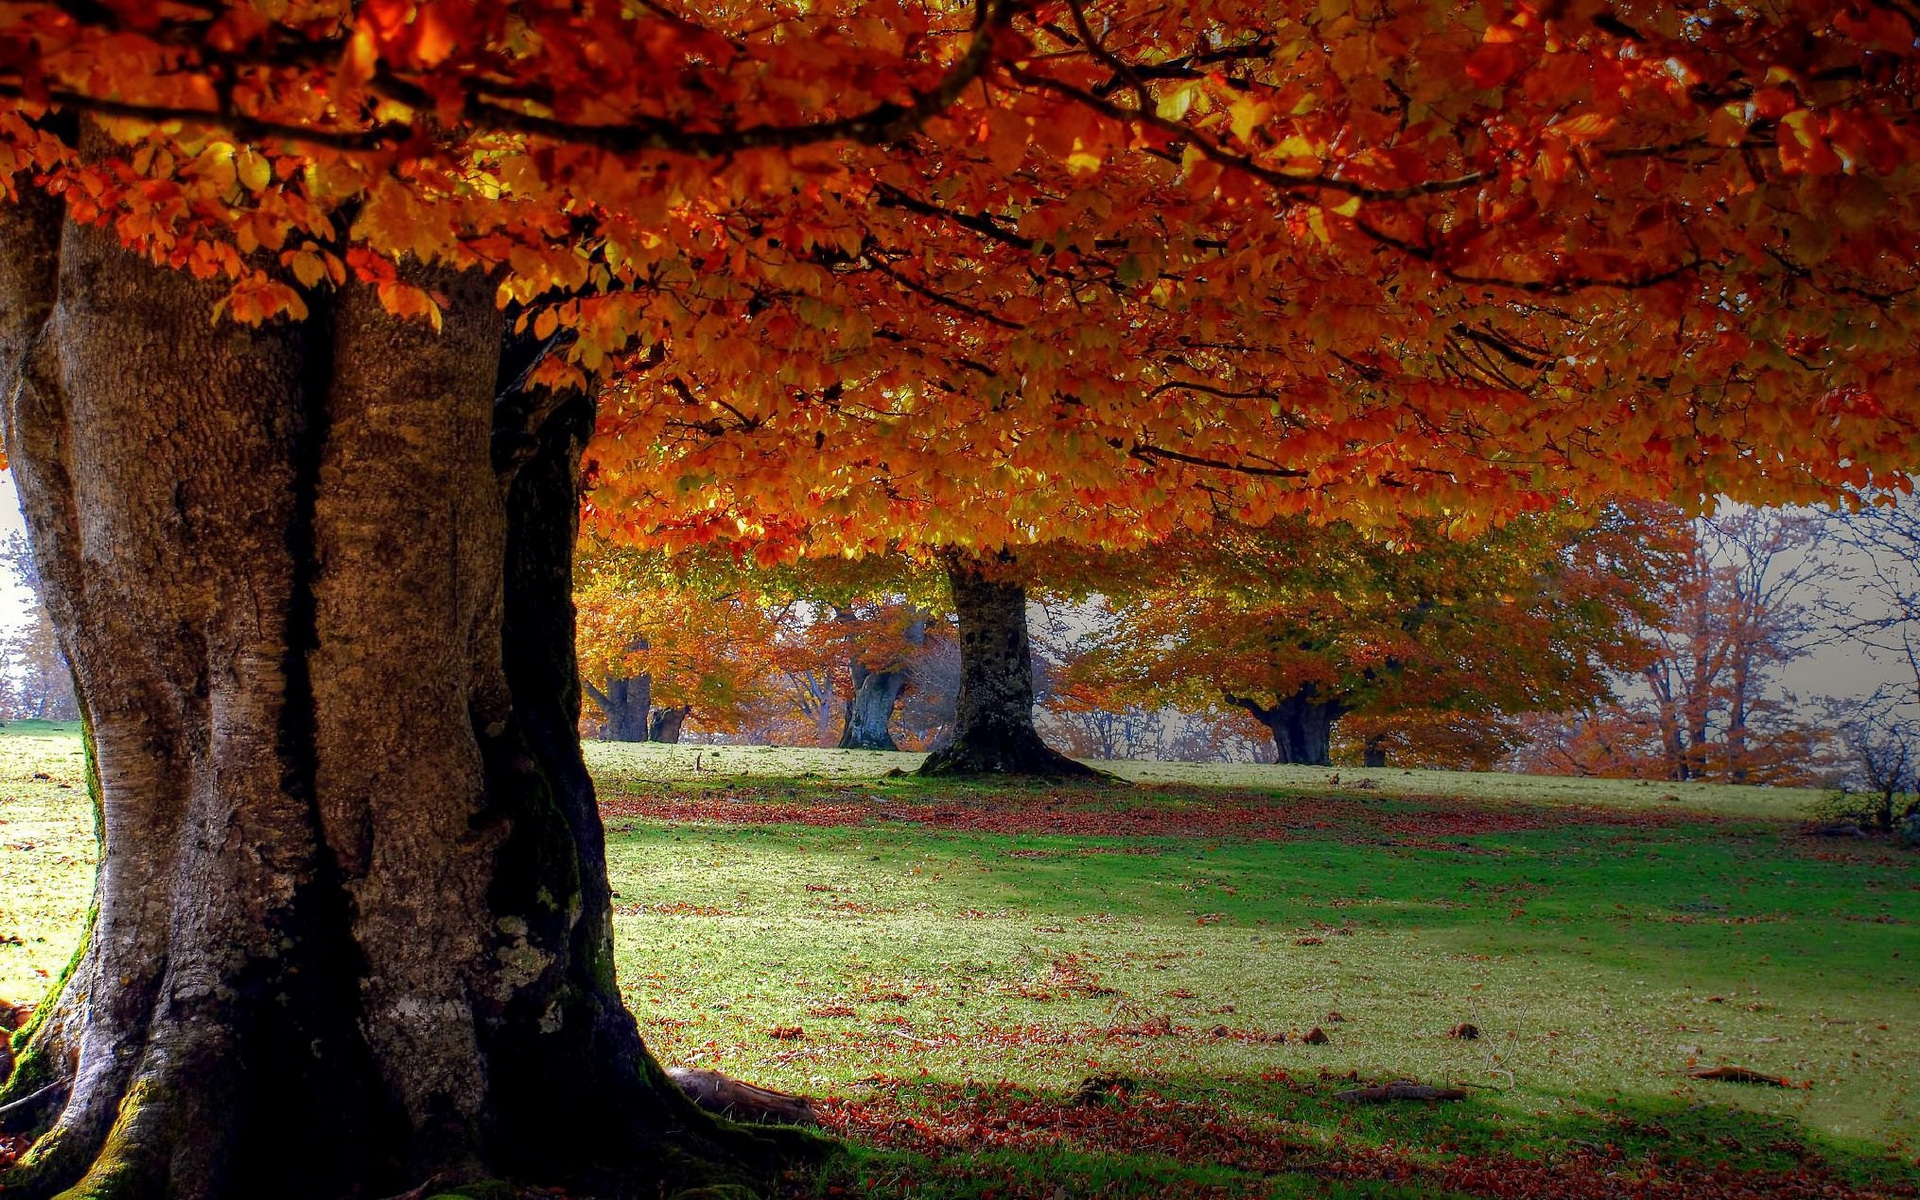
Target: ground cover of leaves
948,965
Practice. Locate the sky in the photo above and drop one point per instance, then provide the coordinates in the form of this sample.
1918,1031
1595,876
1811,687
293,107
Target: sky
1833,669
15,601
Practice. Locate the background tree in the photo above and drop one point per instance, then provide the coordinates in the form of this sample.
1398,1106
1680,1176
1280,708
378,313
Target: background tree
37,683
1731,614
1301,626
1879,757
666,651
883,641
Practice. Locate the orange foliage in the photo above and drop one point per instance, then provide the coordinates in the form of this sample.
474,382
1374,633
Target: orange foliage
709,654
874,273
1428,646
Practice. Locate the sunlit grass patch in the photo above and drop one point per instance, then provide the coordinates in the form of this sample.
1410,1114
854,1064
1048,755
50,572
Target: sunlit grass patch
47,853
623,764
960,959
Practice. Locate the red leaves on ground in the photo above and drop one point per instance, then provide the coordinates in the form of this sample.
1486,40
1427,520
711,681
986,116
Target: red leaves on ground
1006,1117
1072,813
952,1120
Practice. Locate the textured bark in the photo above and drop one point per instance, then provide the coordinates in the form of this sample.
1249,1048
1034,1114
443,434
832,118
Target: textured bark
869,717
993,729
1301,725
667,723
352,924
626,704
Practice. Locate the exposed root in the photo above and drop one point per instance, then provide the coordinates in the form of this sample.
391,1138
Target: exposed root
1022,756
740,1101
1400,1089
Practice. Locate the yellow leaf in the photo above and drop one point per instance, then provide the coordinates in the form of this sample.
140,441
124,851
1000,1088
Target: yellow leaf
254,170
1174,105
309,268
1247,114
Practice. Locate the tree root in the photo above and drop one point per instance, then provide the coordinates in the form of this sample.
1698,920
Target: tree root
962,758
742,1101
1399,1089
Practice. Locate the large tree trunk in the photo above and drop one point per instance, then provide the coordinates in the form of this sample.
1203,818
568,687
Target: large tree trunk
667,723
351,927
869,717
626,705
993,729
1301,725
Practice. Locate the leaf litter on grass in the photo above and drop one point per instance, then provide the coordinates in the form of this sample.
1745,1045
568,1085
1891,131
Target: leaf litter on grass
975,933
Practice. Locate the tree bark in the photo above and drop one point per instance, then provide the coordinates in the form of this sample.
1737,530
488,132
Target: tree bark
626,704
351,927
869,717
1375,753
993,729
667,722
1301,725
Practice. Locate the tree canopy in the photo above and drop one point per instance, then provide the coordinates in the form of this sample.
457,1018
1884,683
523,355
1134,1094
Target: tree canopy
871,273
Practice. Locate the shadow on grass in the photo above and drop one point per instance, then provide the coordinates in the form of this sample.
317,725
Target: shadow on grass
1287,1137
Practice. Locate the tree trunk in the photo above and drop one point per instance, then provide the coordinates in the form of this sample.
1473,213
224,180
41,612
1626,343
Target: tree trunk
1737,770
993,729
1301,725
351,926
869,719
1375,753
666,723
626,704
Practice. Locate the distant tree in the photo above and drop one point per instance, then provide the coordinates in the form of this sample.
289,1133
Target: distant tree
35,682
928,711
655,649
1874,598
1433,738
1302,626
883,639
1736,618
1878,751
1732,611
1086,725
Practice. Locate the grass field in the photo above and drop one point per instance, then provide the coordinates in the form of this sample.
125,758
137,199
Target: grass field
949,963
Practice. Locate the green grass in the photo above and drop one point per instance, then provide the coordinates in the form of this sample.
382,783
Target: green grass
656,763
47,853
958,958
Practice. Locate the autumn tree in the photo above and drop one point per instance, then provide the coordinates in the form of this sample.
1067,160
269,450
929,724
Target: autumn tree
883,640
33,673
1704,705
1302,626
858,274
657,647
